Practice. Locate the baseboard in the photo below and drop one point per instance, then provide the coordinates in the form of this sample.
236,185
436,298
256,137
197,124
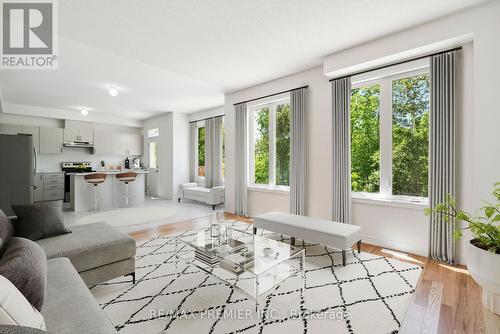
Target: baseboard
395,245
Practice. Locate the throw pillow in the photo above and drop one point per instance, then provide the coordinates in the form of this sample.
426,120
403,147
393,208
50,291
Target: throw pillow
15,309
6,231
40,220
24,263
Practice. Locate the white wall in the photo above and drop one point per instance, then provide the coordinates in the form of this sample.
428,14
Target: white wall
52,162
202,114
173,151
181,143
478,140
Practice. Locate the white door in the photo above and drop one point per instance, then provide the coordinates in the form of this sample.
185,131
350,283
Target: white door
153,171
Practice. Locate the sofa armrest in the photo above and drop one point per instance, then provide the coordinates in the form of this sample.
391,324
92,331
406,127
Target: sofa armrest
182,186
216,195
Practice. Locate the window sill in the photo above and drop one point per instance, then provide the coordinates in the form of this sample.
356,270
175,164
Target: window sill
399,202
267,189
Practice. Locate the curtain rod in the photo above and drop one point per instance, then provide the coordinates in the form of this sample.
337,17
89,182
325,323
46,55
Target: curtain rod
204,119
397,63
263,97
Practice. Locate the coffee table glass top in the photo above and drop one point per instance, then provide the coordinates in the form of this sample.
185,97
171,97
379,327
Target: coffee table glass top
251,253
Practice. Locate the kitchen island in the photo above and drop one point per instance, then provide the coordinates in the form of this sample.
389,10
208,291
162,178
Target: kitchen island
110,193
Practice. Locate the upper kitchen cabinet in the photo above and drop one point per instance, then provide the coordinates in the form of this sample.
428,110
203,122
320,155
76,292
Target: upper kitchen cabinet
76,135
126,144
51,140
103,143
10,129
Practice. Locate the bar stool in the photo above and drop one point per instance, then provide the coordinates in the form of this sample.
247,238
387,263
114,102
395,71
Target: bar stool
126,177
95,179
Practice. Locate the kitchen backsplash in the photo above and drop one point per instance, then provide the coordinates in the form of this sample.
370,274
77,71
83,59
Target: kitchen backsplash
52,162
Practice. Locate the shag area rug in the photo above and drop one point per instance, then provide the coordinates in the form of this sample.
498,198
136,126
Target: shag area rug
369,295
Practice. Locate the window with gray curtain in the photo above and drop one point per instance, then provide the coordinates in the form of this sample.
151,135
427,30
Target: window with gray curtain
213,152
341,97
442,153
241,173
298,154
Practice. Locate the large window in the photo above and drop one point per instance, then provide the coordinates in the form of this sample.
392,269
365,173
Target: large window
269,140
389,136
201,151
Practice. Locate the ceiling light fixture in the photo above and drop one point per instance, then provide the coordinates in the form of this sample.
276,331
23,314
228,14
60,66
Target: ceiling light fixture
113,91
84,112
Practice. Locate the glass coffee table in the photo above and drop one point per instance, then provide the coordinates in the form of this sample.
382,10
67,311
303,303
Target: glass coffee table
251,263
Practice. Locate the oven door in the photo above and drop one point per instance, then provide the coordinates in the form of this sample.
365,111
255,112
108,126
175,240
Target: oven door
66,188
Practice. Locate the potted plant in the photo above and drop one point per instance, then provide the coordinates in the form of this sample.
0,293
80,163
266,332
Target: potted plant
483,251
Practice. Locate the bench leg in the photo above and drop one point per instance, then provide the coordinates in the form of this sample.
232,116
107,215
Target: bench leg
254,230
213,206
179,200
343,257
133,277
292,241
359,246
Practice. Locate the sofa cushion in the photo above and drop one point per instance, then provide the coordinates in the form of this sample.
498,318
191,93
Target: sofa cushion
24,264
9,329
15,309
90,246
69,306
40,220
6,231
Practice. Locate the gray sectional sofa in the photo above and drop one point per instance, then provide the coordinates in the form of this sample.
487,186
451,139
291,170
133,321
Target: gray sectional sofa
89,255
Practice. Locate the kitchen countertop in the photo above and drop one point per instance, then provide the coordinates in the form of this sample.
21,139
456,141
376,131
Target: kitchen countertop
114,171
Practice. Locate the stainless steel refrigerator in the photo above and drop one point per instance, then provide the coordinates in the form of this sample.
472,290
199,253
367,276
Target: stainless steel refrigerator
17,171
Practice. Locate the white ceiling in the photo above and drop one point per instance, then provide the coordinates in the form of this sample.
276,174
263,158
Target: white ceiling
183,55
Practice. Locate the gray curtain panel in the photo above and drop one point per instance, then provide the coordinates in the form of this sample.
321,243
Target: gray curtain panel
298,155
241,171
341,101
442,152
213,152
193,135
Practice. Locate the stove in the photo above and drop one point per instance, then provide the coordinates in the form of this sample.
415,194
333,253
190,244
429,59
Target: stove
73,167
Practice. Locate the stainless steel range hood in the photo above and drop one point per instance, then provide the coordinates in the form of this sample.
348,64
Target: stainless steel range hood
82,144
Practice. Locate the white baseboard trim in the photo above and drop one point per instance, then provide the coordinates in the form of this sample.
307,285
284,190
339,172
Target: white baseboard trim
395,245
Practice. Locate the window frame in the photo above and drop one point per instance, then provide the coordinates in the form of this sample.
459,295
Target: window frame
385,79
199,179
272,104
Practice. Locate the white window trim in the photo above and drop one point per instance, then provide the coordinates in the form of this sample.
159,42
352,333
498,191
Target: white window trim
385,196
272,103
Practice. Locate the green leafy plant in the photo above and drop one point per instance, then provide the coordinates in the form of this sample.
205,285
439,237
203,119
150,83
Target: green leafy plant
485,228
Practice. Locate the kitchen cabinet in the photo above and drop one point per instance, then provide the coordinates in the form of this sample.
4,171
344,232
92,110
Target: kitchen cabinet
126,144
103,144
49,187
10,129
51,140
76,135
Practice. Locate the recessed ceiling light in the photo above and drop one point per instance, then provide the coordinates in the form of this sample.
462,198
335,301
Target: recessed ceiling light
84,112
113,91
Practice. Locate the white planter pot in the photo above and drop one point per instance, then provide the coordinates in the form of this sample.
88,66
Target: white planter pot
484,267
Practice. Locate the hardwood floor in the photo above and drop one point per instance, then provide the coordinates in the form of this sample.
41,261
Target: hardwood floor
446,299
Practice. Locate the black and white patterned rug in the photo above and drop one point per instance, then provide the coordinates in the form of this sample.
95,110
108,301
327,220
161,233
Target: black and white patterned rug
369,295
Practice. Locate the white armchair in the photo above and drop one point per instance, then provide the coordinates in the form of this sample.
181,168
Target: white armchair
213,196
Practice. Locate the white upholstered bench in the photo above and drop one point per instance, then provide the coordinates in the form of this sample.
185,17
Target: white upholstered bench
325,232
213,196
